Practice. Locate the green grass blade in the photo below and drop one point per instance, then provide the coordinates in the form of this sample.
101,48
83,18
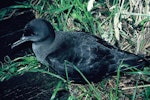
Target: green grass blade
56,90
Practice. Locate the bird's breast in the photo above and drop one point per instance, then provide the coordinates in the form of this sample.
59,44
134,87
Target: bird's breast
40,51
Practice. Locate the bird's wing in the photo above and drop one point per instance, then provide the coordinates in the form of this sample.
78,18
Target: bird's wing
94,57
83,51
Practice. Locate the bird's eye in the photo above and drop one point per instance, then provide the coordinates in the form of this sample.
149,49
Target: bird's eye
29,32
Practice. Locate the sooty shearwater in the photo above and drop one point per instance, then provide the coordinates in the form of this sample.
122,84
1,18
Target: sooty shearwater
62,51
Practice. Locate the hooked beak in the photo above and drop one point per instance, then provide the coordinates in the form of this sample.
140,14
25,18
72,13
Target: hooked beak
22,40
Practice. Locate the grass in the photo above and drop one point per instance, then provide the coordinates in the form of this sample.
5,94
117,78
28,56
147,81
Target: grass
126,22
17,66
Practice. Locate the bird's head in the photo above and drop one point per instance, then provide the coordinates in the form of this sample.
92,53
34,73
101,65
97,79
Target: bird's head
36,30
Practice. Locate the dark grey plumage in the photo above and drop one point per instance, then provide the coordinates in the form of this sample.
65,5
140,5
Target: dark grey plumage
94,57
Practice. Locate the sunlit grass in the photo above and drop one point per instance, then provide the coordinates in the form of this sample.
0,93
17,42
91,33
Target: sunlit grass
17,66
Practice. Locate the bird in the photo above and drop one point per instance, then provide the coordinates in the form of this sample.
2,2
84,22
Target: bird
73,55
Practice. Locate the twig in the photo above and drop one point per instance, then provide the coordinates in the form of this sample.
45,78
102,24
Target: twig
140,86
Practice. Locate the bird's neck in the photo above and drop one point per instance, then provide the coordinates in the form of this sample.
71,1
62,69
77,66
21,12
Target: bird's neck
41,49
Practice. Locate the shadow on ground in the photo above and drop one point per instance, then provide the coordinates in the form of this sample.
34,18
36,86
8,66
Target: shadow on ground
31,86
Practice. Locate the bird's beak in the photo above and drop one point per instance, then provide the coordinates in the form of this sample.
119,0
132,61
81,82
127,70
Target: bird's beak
22,40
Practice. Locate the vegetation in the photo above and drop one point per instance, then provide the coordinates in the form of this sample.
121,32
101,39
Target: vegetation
124,23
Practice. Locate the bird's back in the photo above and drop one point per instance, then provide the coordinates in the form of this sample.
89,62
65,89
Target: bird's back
94,57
